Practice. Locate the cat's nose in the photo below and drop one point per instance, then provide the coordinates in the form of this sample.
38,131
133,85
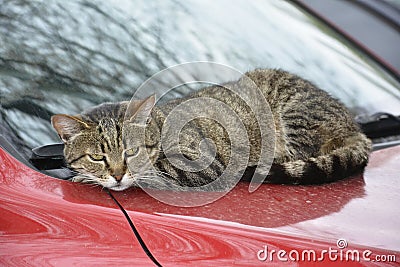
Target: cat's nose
118,178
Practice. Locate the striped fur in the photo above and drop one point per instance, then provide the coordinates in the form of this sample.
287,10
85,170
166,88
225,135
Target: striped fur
337,164
316,139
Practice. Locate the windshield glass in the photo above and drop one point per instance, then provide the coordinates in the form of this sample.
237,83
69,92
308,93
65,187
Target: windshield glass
65,56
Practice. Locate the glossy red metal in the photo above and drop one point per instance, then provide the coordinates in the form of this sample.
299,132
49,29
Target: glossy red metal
46,221
362,211
49,222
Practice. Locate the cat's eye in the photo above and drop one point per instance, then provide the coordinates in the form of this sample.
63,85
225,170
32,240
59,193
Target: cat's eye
132,152
96,157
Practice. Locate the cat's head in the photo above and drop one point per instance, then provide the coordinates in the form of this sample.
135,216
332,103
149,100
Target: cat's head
102,142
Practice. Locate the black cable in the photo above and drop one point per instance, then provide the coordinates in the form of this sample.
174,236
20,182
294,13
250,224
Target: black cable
135,231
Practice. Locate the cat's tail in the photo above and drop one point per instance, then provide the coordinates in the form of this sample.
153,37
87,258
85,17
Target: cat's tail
347,160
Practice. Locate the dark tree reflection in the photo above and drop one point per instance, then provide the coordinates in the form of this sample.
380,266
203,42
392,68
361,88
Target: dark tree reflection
63,56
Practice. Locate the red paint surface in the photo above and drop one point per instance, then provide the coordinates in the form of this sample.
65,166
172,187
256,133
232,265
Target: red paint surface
49,222
362,210
46,221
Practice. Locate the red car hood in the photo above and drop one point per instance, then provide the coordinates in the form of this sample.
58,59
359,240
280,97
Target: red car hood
50,222
361,212
241,228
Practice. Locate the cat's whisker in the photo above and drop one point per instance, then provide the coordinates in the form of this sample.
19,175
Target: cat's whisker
85,178
155,172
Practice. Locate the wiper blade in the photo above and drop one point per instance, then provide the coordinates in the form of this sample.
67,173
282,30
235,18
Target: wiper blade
379,125
48,157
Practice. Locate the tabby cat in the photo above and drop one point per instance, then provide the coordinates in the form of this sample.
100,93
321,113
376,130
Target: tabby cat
316,139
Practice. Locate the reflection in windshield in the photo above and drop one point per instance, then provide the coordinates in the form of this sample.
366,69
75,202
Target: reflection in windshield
64,56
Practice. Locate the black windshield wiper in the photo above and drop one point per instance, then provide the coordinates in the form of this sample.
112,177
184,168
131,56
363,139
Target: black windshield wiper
49,159
379,125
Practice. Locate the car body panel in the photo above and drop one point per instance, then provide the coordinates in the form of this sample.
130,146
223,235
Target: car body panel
363,210
47,222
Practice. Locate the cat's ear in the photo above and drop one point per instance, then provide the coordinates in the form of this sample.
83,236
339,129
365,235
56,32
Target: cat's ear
68,126
138,112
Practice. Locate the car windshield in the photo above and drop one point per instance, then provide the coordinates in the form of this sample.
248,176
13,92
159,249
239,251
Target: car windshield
65,56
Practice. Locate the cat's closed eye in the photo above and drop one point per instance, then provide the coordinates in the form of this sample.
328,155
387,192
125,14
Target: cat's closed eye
132,152
96,157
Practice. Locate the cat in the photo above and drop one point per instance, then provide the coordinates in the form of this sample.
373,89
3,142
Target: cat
316,138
